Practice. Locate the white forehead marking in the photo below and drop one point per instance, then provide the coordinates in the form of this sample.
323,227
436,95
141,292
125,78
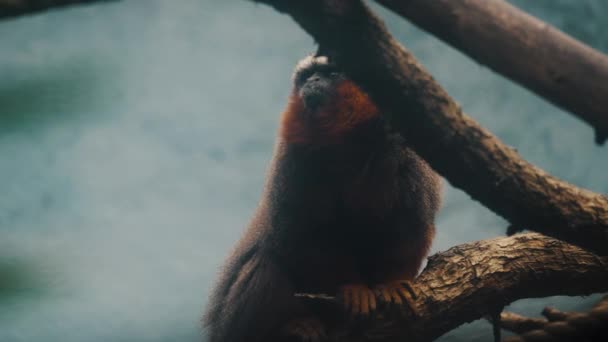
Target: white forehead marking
307,62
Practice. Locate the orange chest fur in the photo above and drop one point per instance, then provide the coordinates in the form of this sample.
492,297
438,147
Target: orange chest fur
329,124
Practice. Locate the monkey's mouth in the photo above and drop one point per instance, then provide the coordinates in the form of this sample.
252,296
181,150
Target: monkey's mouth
315,93
314,100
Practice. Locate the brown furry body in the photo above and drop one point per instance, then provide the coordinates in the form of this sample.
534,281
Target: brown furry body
346,203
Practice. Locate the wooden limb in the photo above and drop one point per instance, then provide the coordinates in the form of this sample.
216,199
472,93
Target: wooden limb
469,156
470,281
15,8
560,326
553,314
520,324
523,48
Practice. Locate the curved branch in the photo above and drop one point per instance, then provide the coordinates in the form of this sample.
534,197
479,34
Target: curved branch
470,281
527,50
562,326
469,156
520,324
15,8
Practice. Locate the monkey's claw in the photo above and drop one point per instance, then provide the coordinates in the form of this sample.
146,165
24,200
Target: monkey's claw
358,299
308,329
398,292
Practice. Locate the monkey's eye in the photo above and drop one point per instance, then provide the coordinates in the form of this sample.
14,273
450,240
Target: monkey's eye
303,76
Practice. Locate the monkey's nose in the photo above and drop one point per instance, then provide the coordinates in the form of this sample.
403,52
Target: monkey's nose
314,91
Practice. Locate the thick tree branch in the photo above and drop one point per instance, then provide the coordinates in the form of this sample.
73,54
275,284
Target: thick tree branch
469,156
473,280
14,8
532,53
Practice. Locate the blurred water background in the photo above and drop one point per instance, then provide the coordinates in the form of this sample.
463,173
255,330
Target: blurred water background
134,138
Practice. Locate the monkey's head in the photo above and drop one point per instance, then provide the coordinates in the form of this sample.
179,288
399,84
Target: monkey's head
325,107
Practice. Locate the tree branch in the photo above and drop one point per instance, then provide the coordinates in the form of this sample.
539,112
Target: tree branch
14,8
473,280
527,50
520,324
469,156
559,326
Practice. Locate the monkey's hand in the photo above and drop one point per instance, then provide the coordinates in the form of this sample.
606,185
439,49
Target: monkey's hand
358,299
397,293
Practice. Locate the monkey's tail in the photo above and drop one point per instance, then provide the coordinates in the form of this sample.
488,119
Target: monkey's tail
254,304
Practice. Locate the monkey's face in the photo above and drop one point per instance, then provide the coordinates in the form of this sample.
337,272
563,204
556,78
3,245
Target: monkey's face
325,106
315,81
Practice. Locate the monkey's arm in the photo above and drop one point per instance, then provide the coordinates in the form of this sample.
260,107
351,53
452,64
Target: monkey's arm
397,266
317,266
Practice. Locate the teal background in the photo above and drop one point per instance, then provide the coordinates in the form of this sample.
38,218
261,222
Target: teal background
134,138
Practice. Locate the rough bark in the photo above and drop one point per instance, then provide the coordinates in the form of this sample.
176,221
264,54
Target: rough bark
469,156
474,280
14,8
520,324
530,52
559,326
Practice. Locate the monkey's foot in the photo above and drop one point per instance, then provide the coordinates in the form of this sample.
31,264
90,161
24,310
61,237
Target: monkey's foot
397,292
308,329
358,299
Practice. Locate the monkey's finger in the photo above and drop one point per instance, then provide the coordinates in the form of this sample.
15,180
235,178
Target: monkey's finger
372,301
408,286
364,294
346,298
373,307
406,298
404,295
356,302
396,297
383,295
409,301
